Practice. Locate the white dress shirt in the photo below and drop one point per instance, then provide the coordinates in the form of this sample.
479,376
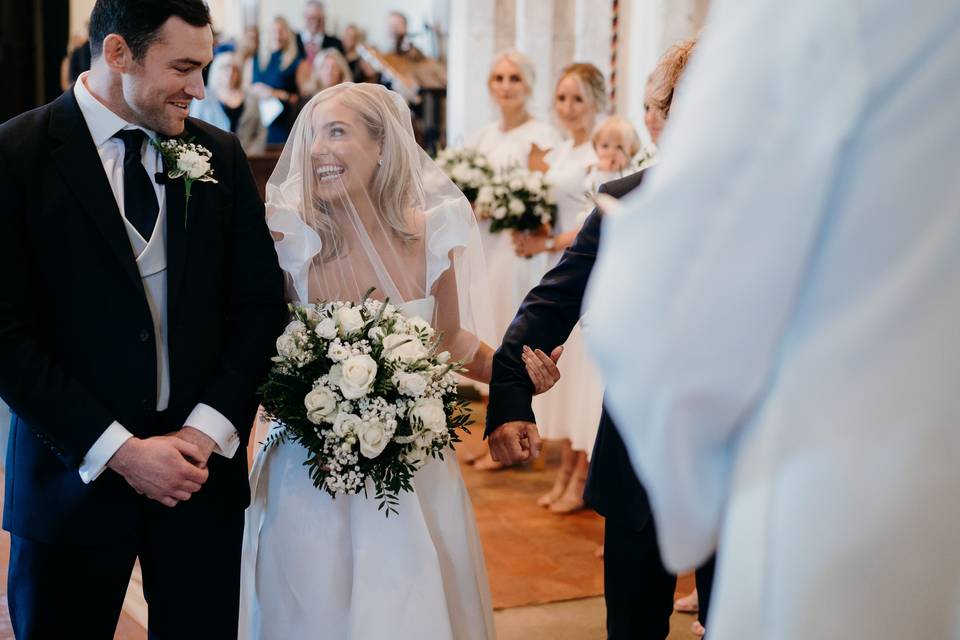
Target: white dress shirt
151,262
776,313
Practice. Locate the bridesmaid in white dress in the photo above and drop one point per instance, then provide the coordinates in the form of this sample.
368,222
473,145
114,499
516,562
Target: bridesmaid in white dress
509,141
572,412
355,203
505,142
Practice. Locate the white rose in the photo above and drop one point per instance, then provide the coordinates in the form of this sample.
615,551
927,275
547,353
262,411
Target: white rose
357,376
338,352
326,329
374,437
376,334
336,372
500,213
193,164
517,207
443,357
287,346
321,404
420,325
346,424
485,194
534,184
410,384
349,319
403,346
461,172
295,327
515,184
429,411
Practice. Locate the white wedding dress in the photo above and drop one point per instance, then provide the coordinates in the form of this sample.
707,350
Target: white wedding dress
340,569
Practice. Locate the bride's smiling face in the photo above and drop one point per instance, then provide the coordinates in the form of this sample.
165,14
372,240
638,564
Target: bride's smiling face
344,155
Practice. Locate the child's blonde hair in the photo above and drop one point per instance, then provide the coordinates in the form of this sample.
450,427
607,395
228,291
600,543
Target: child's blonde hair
621,126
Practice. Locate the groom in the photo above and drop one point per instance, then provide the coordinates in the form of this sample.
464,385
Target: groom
135,327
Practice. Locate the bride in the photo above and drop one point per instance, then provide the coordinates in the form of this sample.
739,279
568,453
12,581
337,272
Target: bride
354,203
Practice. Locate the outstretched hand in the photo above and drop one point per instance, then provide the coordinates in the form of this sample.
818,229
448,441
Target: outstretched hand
514,442
542,368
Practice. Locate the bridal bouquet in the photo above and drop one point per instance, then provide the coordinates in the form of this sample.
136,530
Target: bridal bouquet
364,390
517,199
466,168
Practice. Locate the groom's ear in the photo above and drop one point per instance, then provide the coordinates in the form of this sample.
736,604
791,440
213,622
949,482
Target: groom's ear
116,53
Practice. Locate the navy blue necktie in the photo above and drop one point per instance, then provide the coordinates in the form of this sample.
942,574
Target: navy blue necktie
139,197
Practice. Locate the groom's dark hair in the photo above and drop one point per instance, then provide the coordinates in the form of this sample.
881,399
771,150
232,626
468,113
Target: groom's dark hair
139,21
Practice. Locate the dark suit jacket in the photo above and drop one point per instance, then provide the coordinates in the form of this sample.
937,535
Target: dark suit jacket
545,320
77,348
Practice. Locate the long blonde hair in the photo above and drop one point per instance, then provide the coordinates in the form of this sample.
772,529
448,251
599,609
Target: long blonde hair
290,52
396,183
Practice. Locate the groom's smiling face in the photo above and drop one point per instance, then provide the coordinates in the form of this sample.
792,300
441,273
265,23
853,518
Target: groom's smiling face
159,87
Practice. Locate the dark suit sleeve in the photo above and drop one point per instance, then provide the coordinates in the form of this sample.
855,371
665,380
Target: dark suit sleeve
256,308
544,321
32,382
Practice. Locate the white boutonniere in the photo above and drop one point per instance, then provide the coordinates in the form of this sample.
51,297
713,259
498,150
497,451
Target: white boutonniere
186,160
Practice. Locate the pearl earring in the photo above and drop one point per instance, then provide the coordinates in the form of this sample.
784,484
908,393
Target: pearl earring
380,162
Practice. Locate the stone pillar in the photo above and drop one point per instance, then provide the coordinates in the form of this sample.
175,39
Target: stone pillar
535,38
592,33
471,47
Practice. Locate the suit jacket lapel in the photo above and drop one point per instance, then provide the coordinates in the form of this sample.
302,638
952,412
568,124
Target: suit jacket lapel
82,169
177,236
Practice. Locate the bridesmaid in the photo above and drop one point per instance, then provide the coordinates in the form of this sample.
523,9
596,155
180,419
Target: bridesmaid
512,139
277,75
572,412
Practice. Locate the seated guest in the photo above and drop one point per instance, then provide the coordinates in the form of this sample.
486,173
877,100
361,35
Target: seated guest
329,68
400,43
229,107
360,69
276,75
314,39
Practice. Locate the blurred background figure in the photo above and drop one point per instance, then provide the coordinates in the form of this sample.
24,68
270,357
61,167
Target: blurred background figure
360,69
314,38
571,413
400,43
329,68
276,74
228,106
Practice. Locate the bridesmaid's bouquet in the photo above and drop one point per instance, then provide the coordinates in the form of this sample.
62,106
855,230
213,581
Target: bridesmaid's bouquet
517,199
364,390
466,168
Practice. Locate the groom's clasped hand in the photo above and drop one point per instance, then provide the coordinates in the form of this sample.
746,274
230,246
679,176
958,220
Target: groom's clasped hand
168,468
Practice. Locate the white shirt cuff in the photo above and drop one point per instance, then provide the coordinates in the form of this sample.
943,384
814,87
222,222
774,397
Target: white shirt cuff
102,450
211,422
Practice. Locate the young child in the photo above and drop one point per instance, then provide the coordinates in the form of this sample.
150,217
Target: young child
619,153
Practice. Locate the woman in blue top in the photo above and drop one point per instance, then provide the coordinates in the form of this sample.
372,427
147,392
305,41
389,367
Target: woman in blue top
277,75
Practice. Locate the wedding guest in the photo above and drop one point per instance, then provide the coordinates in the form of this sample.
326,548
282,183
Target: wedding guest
314,39
360,69
400,43
79,59
509,140
616,144
228,106
638,589
276,75
570,414
329,68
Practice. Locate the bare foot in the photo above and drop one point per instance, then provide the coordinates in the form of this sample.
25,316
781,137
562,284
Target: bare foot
572,498
560,483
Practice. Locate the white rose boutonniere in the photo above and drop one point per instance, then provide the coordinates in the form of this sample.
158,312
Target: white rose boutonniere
184,159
